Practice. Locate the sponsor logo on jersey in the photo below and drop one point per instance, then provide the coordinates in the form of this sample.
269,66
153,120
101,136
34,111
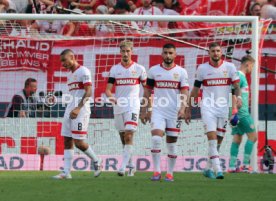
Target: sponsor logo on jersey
75,86
167,84
217,82
127,81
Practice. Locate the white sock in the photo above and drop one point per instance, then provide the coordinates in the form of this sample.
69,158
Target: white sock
130,162
68,156
213,155
156,152
172,155
127,152
91,154
209,162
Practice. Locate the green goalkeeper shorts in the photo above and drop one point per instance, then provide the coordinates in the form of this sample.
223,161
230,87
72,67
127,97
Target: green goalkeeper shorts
245,125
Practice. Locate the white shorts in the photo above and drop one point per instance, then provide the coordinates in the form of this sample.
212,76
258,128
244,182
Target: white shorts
75,128
170,126
126,121
213,123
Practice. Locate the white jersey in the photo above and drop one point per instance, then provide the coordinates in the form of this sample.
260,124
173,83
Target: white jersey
76,81
167,86
54,27
150,11
217,83
127,81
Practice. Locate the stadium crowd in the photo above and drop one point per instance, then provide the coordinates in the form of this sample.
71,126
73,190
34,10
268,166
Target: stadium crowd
263,8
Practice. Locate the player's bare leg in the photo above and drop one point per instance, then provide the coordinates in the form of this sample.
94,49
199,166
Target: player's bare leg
85,148
127,151
172,155
68,156
219,139
156,153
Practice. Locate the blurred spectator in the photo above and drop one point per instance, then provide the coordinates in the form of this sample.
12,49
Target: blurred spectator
133,4
123,8
88,6
110,4
24,103
52,26
161,5
40,6
255,9
20,6
148,9
80,28
6,5
65,4
269,10
174,5
102,28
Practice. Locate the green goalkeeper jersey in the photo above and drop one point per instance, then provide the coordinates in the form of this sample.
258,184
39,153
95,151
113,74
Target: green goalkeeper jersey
244,110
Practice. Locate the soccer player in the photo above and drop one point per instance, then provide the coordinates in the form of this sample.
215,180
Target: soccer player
127,76
246,124
77,114
217,77
170,85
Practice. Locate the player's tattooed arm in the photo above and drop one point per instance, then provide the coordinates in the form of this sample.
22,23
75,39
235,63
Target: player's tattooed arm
237,93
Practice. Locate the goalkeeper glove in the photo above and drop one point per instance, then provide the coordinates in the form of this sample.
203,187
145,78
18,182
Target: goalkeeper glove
234,120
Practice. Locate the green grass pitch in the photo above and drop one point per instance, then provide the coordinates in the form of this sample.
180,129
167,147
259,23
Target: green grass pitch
38,186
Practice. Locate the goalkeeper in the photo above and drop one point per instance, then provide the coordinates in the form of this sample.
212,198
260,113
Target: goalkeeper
242,122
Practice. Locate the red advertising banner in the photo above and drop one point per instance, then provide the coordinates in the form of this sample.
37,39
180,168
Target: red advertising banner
22,54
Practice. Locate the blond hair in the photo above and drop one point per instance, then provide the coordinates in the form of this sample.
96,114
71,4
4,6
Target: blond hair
126,43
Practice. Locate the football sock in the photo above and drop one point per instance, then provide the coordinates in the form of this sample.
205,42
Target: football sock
172,155
130,162
127,152
247,151
156,152
91,154
213,155
68,156
234,150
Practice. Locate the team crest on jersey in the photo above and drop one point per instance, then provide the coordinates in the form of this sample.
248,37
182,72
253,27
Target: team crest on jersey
134,73
176,76
225,73
75,77
158,75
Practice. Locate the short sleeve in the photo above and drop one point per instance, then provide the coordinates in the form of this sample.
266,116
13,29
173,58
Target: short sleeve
234,75
198,74
112,72
143,76
184,82
86,78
